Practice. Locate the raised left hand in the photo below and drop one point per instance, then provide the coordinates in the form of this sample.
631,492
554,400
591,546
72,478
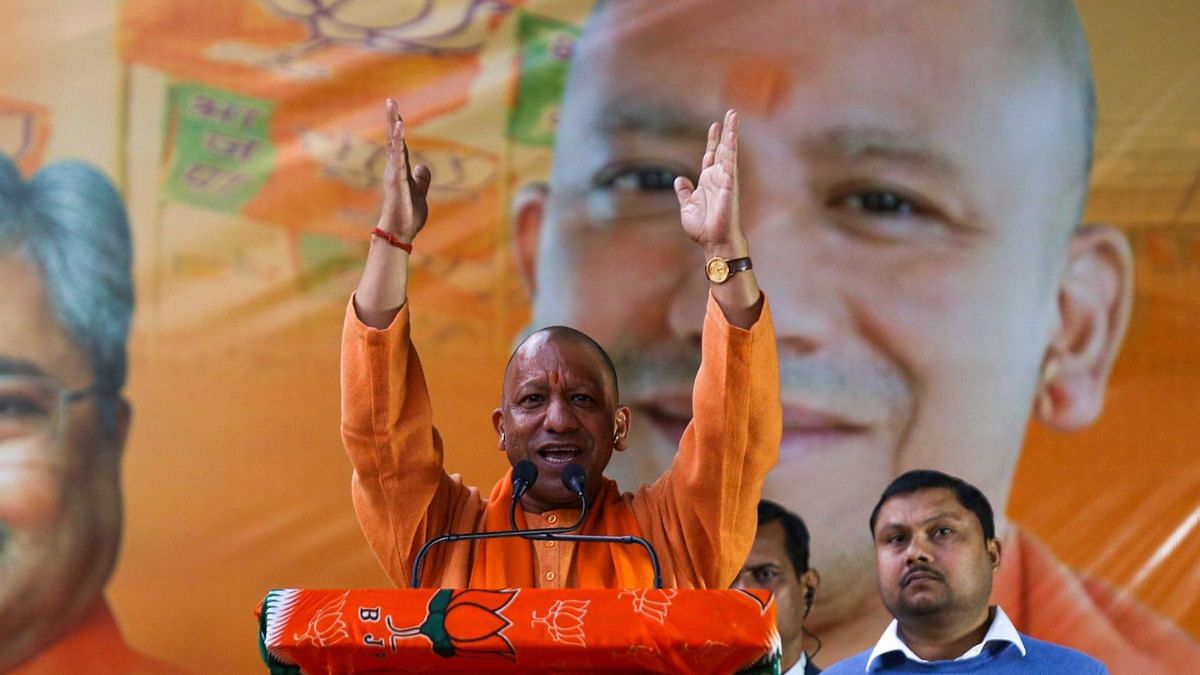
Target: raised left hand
707,209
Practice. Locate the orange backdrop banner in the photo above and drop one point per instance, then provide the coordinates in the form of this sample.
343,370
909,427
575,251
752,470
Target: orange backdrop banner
246,138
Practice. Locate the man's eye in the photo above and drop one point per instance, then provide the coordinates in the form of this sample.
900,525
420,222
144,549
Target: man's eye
881,202
896,539
645,178
943,532
530,399
765,575
21,407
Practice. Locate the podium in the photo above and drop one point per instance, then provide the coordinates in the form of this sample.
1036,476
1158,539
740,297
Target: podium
525,630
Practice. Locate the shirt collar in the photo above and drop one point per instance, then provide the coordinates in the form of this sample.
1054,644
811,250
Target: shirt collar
1001,630
798,669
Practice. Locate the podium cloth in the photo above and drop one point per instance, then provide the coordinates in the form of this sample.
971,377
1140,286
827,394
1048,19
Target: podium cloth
700,515
520,630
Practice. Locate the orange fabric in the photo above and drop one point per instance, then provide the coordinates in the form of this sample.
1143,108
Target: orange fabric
1046,599
553,557
700,515
508,562
95,647
521,630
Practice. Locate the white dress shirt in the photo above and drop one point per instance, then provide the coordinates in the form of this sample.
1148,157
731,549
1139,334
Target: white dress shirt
1001,630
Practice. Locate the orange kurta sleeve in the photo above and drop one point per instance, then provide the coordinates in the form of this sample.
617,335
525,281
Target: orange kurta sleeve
401,493
701,515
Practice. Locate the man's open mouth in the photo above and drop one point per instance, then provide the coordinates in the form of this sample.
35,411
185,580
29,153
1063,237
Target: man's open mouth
562,455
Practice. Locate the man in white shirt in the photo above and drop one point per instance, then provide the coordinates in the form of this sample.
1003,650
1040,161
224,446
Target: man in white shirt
936,553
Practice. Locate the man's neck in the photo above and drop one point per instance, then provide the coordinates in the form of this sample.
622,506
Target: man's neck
935,640
792,652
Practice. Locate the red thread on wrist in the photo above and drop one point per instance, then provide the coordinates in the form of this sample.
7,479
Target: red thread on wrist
392,239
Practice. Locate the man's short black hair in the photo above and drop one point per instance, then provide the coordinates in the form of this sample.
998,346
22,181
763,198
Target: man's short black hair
795,532
926,479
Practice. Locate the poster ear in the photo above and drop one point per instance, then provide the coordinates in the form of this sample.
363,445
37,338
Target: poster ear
1095,297
122,413
528,210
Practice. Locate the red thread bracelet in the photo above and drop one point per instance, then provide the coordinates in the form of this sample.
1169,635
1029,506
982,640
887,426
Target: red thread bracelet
392,239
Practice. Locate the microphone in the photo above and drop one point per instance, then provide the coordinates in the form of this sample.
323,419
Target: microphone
574,477
524,474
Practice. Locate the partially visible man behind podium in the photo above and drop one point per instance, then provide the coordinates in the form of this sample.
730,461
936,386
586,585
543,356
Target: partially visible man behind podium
559,406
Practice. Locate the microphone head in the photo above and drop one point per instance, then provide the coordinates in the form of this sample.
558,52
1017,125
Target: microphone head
524,474
574,477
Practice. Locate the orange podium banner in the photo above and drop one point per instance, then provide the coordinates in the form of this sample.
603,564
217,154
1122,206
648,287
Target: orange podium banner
521,630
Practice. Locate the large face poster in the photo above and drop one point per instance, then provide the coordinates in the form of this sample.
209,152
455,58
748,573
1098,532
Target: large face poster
949,313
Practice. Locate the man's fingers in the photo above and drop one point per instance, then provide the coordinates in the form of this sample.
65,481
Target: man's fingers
683,189
710,147
728,146
421,178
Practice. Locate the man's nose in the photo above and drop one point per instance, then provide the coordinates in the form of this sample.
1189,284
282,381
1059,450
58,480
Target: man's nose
560,416
739,584
794,267
918,551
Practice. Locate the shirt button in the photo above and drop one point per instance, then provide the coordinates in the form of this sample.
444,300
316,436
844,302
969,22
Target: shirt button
550,576
552,519
550,544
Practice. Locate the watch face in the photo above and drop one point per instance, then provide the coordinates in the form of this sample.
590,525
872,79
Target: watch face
717,270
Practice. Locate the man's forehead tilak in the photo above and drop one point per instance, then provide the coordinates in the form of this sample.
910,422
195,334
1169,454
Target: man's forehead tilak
1043,35
558,335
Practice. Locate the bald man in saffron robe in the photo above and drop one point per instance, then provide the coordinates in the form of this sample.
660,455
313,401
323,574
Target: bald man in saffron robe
560,405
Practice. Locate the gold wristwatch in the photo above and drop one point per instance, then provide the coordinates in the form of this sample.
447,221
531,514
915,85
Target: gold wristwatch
718,269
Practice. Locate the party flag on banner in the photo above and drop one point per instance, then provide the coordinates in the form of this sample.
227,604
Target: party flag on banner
546,46
222,154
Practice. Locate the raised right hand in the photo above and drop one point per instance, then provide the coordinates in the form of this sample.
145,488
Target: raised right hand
404,191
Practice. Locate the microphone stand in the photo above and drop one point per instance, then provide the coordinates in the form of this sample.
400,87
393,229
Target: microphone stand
559,534
512,518
542,534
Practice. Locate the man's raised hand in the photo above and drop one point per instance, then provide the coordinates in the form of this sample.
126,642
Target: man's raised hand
404,189
383,289
707,208
708,212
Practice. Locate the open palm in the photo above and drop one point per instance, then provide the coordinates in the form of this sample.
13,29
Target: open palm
404,192
706,209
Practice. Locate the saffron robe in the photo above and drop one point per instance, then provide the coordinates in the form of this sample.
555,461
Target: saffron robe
701,515
95,646
1050,601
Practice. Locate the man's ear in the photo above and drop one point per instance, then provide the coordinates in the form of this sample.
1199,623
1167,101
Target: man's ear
528,210
812,579
621,428
1095,297
124,415
498,425
993,547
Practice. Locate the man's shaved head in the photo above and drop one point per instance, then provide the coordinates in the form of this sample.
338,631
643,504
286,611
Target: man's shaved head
568,334
558,406
1054,32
